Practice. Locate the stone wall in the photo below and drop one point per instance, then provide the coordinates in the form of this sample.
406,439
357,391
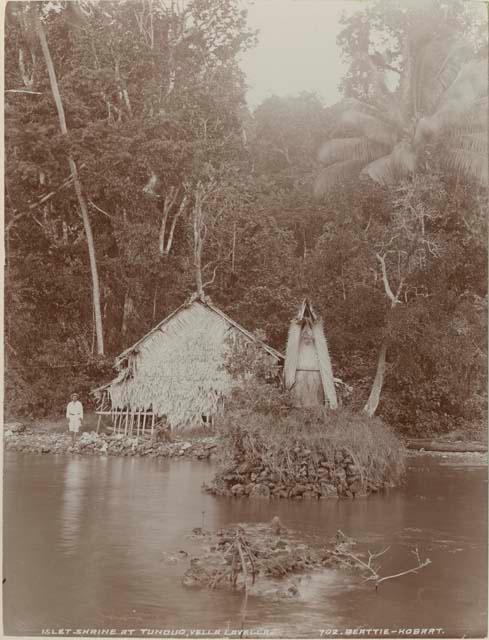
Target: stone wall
309,477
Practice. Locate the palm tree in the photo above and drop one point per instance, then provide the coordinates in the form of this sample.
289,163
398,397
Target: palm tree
440,104
441,99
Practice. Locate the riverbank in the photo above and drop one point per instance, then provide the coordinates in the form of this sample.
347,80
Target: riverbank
453,458
51,437
443,445
27,440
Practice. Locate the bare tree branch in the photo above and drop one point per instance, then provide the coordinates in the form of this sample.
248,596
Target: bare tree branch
168,202
36,93
373,571
393,298
41,200
404,573
99,209
179,212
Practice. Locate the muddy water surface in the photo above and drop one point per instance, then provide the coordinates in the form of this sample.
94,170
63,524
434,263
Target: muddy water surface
85,542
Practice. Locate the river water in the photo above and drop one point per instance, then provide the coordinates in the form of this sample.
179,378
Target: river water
85,542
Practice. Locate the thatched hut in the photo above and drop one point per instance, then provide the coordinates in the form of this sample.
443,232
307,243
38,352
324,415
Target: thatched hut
308,373
178,370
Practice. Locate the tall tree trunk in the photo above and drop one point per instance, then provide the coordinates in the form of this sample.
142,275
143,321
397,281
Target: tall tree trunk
154,303
233,260
77,183
126,312
373,400
198,240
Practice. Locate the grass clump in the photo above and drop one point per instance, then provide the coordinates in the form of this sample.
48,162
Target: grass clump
264,440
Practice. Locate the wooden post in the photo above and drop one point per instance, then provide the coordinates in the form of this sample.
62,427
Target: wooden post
98,421
127,421
131,428
152,423
144,421
139,420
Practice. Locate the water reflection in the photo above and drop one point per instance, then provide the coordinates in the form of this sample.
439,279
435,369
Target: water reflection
74,497
85,542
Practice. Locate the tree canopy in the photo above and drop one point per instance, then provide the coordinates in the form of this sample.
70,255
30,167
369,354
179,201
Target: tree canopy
420,104
185,185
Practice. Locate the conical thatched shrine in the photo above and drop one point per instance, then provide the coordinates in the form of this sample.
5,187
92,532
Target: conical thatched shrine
307,371
177,370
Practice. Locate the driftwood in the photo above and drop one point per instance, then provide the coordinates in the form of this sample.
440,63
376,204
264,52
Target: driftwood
234,557
372,572
454,447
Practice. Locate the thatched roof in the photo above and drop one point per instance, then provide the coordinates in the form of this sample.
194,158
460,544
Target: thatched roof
177,369
208,304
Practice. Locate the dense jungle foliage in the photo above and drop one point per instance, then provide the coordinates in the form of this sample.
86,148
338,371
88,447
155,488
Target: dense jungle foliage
181,180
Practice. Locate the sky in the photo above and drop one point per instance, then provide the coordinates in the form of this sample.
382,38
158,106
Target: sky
296,48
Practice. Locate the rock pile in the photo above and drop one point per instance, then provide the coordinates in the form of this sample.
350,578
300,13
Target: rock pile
93,444
308,477
14,427
271,555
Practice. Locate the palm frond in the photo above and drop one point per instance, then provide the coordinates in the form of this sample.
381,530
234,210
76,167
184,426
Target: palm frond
468,163
404,159
325,367
381,170
470,118
292,354
358,122
470,85
361,149
437,66
334,174
475,119
476,142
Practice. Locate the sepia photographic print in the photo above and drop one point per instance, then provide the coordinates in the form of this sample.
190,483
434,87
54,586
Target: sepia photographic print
245,319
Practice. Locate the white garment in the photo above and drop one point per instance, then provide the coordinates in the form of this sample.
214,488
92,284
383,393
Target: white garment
74,413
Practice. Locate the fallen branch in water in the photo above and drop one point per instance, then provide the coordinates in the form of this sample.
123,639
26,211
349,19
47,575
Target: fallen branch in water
374,570
420,565
241,554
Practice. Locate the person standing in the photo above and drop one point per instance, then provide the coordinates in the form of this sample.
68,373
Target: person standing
74,413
